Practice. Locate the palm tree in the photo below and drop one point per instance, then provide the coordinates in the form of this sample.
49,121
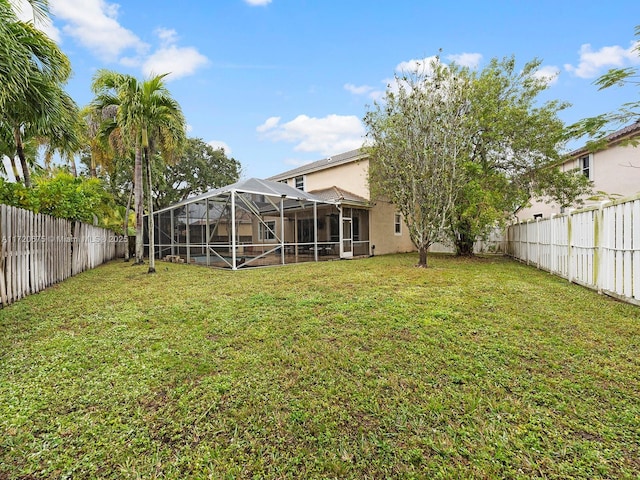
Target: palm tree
32,100
147,116
18,48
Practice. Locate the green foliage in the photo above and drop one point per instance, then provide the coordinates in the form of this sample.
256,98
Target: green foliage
61,195
565,188
598,127
515,149
418,145
481,368
149,122
199,168
33,103
459,151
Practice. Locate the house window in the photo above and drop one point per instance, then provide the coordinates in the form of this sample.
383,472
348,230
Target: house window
537,216
267,230
586,167
300,182
397,224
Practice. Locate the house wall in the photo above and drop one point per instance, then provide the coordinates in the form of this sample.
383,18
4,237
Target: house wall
348,176
353,177
383,235
615,170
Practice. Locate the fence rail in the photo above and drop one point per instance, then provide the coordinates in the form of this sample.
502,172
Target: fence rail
598,247
38,251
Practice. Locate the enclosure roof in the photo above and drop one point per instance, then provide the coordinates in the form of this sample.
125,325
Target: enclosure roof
258,187
337,194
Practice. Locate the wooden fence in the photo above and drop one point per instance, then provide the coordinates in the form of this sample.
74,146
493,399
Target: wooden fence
39,250
598,247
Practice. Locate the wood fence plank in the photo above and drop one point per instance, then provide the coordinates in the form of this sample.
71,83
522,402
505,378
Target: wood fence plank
3,255
627,242
635,221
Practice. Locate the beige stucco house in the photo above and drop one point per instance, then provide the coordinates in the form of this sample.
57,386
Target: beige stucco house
376,226
614,170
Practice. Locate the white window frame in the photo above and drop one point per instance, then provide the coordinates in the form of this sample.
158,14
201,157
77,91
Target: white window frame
589,169
397,223
303,182
267,230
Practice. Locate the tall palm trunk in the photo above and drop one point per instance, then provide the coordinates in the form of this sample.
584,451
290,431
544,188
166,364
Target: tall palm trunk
138,206
125,226
14,167
92,168
150,222
72,164
23,159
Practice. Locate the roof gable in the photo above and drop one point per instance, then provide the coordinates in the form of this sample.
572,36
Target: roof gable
340,159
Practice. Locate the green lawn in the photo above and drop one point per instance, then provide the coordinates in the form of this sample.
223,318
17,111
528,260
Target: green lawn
360,369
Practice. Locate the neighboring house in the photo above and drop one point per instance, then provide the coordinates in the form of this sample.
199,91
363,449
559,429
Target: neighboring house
376,227
614,170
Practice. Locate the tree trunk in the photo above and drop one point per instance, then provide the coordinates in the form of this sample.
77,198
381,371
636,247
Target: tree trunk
150,222
72,164
464,244
23,160
93,173
14,167
125,225
423,257
138,205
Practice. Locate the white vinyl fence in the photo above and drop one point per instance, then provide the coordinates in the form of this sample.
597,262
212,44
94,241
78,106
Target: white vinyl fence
598,247
39,250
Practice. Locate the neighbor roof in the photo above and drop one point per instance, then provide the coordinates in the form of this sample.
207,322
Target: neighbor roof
629,130
342,158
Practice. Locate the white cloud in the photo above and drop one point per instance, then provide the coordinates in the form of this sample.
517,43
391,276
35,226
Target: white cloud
167,36
257,3
94,24
548,74
361,90
328,135
217,144
470,60
367,90
177,61
270,123
592,63
24,11
420,65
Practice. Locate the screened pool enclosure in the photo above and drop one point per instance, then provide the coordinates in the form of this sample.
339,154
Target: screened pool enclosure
259,223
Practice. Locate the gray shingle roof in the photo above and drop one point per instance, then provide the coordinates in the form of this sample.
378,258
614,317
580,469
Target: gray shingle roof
346,157
629,130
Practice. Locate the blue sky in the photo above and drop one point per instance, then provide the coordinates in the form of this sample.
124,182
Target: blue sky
282,82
